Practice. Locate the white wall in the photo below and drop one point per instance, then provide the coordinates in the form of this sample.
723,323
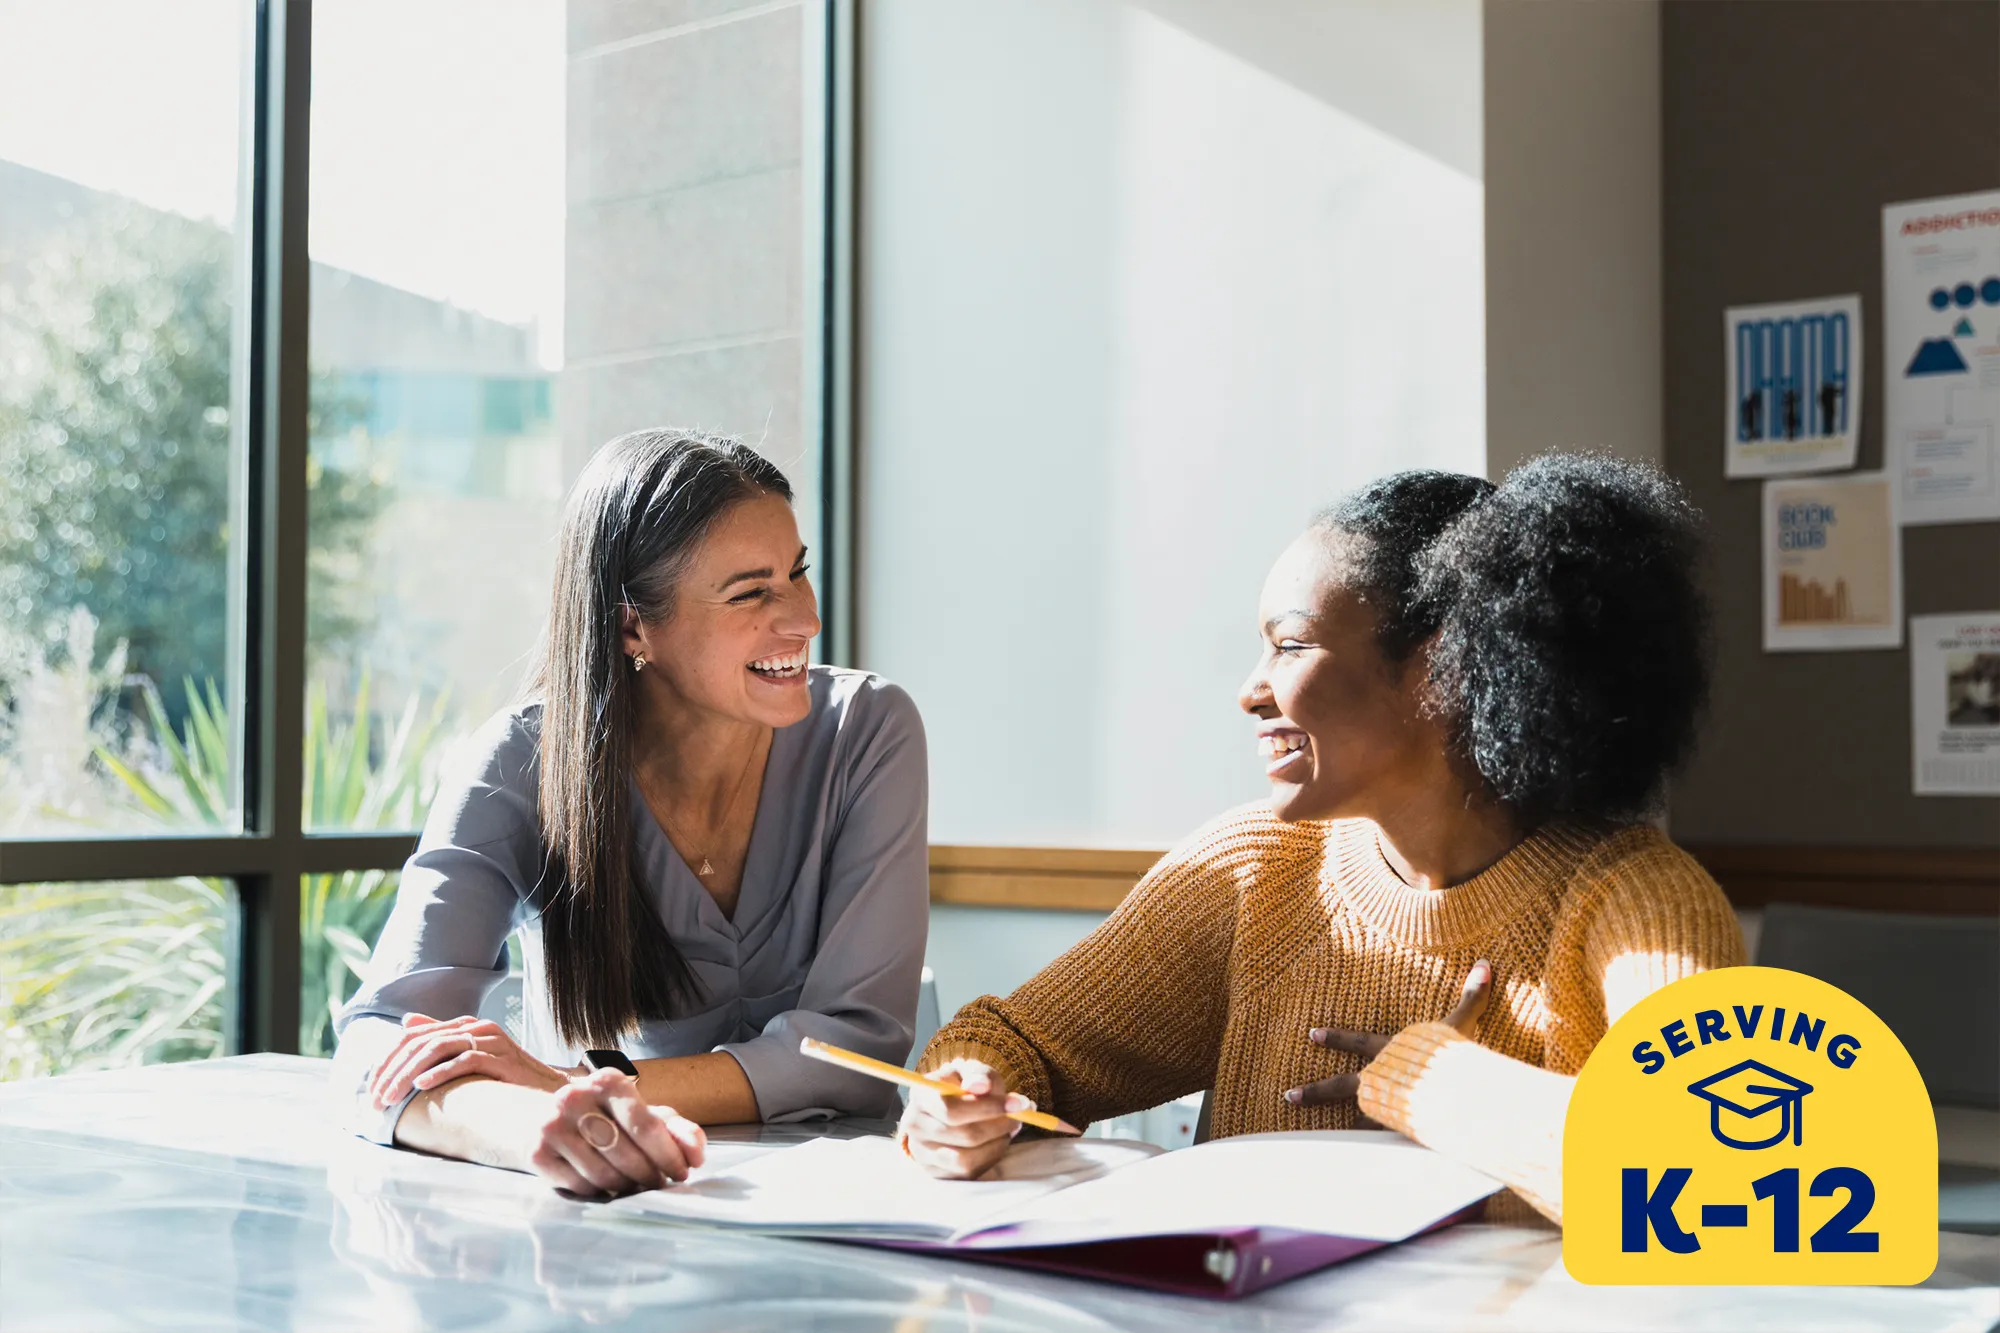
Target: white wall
1141,287
1573,299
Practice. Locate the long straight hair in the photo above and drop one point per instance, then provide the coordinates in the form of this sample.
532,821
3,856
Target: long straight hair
638,513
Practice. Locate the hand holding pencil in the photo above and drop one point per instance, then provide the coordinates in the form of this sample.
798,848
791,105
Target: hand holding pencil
960,1118
888,1073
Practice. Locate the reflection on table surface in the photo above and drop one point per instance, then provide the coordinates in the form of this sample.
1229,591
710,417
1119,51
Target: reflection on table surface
220,1194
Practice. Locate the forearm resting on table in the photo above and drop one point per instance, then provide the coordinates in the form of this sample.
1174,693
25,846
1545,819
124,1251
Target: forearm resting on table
709,1089
478,1119
1495,1114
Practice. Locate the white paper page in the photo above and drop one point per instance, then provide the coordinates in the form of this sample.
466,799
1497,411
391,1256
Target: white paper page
1941,359
1955,703
1365,1185
854,1187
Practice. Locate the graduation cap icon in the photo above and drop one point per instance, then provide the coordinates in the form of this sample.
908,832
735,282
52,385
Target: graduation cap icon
1747,1092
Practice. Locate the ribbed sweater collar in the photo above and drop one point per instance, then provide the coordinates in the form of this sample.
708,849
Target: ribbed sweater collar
1533,872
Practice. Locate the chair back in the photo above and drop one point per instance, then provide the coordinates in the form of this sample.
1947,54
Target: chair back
1935,980
927,1017
502,1005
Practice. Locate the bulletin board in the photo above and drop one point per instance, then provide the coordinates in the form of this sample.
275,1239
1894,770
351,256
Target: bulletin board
1775,176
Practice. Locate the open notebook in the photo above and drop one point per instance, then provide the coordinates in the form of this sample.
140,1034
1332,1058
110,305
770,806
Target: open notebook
1222,1219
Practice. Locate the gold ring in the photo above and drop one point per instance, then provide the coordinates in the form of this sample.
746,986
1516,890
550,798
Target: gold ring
585,1119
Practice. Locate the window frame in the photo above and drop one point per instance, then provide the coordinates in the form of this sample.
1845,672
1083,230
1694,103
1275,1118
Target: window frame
274,852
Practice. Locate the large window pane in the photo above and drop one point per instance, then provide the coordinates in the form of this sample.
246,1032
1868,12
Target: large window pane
534,227
121,156
102,976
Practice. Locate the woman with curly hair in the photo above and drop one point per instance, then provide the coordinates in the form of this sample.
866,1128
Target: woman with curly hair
1469,696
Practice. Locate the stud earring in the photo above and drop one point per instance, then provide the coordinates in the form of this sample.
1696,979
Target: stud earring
638,661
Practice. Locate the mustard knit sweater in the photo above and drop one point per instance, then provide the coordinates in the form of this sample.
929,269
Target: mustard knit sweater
1253,931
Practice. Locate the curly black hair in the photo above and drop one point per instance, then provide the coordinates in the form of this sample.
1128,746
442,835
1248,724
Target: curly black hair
1567,631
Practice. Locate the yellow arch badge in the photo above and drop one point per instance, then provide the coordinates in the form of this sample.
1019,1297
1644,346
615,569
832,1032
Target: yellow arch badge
1750,1125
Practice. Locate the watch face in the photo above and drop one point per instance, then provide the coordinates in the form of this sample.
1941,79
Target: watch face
611,1060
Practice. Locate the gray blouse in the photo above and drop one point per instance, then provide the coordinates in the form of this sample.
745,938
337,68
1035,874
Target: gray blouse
827,939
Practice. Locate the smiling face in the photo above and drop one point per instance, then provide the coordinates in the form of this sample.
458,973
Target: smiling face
1341,728
743,615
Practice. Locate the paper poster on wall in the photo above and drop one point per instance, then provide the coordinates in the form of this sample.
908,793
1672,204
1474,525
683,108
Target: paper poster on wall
1794,377
1941,356
1955,703
1833,575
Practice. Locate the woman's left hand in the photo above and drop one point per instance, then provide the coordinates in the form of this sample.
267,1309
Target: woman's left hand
433,1052
1342,1087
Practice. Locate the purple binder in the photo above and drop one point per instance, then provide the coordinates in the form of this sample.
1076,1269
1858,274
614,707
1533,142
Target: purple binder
1221,1265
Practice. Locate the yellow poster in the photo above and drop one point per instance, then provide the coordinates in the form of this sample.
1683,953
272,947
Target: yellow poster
1750,1125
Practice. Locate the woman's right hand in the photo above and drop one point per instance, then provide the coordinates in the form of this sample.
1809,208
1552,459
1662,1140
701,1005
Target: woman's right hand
431,1053
958,1138
598,1136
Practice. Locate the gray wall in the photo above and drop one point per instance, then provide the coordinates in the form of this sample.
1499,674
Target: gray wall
1572,133
1787,127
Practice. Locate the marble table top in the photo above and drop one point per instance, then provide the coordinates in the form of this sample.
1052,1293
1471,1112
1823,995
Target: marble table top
220,1195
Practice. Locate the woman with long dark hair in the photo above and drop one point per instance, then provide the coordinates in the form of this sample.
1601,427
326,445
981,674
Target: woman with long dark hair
1468,698
708,848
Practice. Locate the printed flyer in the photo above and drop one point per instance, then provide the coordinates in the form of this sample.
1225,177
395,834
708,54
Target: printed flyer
1955,703
1794,377
1941,356
1833,573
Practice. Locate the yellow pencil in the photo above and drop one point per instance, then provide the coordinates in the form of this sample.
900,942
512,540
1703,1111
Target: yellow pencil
862,1064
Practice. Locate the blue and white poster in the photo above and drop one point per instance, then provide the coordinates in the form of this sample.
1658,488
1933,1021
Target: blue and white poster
1941,356
1794,376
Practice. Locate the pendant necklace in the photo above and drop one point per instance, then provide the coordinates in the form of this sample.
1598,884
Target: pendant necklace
707,866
